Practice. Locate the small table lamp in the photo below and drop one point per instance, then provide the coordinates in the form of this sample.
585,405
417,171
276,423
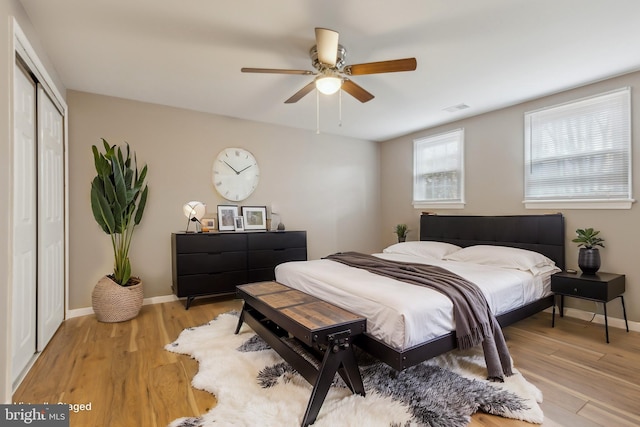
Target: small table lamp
194,211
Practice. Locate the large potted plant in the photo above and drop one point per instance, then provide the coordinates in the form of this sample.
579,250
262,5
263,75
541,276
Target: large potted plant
118,197
589,256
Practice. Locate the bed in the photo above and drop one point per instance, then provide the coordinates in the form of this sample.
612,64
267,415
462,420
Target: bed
407,324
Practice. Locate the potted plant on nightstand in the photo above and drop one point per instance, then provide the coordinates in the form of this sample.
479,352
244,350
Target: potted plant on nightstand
118,197
589,256
401,231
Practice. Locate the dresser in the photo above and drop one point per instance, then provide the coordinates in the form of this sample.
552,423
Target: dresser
215,263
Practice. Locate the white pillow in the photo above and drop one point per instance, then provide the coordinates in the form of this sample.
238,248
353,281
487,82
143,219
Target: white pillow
506,257
425,249
545,269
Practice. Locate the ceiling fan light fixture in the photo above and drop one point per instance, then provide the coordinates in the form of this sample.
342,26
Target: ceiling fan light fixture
329,84
328,58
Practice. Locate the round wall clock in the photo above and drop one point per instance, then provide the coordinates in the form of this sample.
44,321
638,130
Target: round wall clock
235,174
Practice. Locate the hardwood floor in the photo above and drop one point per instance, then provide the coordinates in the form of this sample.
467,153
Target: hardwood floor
122,371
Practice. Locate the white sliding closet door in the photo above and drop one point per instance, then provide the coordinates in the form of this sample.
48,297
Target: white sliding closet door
50,219
24,236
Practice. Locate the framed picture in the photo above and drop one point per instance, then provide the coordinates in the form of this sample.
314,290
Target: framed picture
226,217
255,217
239,223
208,224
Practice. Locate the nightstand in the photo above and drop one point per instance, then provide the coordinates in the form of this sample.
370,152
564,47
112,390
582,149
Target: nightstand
599,287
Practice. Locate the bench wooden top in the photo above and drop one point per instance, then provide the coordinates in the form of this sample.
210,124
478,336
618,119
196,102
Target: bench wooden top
281,304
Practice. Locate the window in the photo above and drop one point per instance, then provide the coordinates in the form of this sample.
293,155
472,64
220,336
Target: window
438,170
578,155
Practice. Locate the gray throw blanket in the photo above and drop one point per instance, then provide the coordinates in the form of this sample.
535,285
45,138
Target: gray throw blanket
475,323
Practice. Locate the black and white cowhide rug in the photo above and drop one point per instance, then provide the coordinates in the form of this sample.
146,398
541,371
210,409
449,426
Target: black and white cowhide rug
255,387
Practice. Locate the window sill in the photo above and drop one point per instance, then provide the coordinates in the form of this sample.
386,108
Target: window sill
438,205
579,204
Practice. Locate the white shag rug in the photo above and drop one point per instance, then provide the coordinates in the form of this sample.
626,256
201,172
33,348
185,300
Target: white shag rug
255,387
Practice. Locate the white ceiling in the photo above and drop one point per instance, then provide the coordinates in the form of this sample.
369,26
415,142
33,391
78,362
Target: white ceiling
487,54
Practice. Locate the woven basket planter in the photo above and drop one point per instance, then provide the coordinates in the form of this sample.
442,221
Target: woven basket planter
114,303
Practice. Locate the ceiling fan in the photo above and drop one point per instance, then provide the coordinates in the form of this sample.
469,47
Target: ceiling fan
327,57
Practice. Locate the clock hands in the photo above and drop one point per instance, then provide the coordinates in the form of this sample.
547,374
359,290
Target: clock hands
244,169
232,168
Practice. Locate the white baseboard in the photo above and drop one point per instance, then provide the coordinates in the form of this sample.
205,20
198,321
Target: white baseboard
78,312
160,299
85,311
598,318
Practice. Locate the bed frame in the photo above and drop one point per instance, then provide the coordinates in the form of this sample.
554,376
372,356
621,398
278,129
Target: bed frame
539,233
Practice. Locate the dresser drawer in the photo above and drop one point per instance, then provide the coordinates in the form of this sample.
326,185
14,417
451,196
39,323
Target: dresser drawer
261,275
199,263
205,284
277,240
269,259
210,243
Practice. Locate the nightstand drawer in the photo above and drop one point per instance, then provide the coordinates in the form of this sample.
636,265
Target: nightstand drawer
601,287
582,289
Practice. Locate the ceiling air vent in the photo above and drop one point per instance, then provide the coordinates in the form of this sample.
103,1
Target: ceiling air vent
455,108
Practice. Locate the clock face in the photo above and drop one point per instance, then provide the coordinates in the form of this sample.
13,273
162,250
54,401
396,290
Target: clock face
235,174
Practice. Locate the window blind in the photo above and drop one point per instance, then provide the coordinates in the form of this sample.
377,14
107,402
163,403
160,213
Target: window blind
438,168
580,150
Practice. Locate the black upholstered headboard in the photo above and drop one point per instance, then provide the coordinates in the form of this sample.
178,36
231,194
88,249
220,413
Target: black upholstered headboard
539,233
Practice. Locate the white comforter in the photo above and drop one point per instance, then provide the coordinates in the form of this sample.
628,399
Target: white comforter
404,315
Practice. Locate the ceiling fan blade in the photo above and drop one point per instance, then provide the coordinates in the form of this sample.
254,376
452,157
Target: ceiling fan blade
276,71
406,64
356,91
327,45
302,92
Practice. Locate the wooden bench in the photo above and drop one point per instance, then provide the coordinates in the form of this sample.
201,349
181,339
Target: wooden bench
313,336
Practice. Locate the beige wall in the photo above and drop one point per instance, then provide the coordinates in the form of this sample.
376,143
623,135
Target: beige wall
326,185
10,9
494,157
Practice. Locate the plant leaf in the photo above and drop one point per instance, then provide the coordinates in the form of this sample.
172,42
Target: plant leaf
118,182
141,205
101,210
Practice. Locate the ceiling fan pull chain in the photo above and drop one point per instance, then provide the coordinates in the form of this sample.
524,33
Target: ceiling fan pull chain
340,108
317,112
